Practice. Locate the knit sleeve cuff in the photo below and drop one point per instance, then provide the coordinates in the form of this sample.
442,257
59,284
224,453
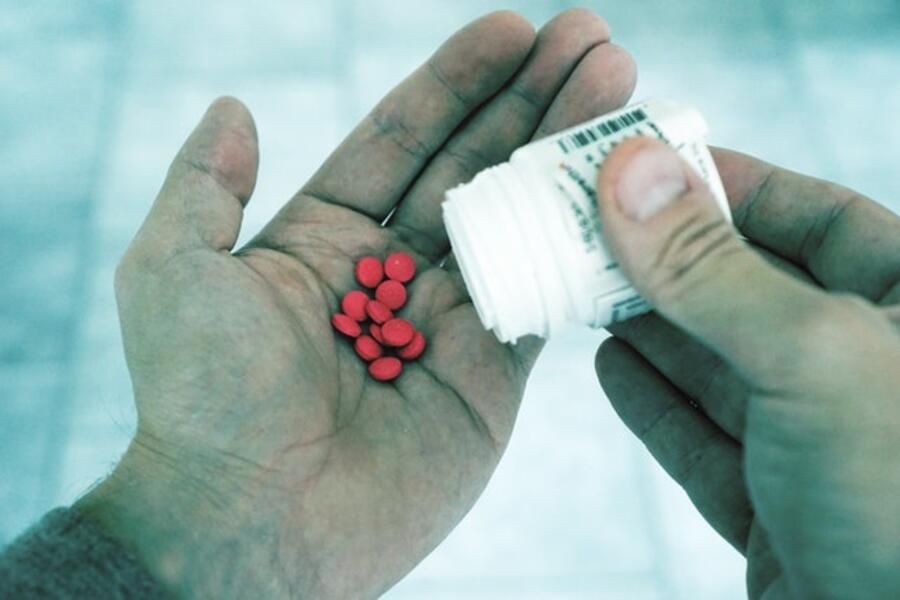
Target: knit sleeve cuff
66,556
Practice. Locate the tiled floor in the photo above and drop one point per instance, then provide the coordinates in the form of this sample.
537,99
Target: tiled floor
97,96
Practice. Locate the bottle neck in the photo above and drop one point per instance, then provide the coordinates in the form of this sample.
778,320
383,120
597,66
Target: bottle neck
505,234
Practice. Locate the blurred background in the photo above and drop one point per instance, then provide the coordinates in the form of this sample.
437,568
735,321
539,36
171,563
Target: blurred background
97,96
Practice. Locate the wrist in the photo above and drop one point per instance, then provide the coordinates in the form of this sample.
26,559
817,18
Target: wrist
188,529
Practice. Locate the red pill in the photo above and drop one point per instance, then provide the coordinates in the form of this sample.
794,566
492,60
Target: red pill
414,348
367,348
397,332
375,332
369,271
391,293
400,266
354,305
378,312
346,325
386,368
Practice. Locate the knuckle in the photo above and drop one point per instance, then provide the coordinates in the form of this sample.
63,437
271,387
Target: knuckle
527,95
694,462
690,251
449,83
723,393
390,125
468,160
715,380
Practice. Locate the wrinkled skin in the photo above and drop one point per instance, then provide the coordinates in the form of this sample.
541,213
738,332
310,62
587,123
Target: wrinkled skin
769,389
266,462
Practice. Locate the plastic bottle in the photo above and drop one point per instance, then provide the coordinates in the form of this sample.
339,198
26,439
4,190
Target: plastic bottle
527,234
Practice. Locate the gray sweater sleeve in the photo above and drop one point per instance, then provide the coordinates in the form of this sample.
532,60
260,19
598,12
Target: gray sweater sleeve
66,556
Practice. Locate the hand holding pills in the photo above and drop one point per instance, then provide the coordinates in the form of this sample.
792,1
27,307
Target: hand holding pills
275,455
768,384
319,407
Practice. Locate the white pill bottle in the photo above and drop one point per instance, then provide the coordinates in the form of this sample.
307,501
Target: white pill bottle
527,233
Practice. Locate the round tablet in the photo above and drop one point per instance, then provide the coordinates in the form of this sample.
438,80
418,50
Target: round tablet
375,332
391,293
414,348
346,325
386,368
400,266
397,332
367,348
369,271
354,305
378,312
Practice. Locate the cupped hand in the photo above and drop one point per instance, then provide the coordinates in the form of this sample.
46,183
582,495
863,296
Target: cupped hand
768,382
266,461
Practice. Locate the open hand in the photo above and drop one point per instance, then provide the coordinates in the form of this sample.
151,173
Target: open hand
266,461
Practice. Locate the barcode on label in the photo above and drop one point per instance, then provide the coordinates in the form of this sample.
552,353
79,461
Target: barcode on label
583,137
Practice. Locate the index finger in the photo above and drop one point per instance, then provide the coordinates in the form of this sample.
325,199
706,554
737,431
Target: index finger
845,240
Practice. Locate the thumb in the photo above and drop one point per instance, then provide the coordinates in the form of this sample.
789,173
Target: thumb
683,255
208,184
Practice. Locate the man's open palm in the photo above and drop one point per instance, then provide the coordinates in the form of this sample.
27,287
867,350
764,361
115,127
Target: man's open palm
309,477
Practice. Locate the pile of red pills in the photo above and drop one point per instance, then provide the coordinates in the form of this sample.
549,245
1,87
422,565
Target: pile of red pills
388,338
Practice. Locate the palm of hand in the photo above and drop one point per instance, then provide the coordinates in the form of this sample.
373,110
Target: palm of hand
291,412
241,383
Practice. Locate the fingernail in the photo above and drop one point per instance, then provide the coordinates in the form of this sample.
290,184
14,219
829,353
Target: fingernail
650,181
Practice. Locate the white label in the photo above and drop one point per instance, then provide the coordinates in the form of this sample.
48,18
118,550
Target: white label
579,154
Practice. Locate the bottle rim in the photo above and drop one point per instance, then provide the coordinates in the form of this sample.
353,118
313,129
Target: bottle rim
495,226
